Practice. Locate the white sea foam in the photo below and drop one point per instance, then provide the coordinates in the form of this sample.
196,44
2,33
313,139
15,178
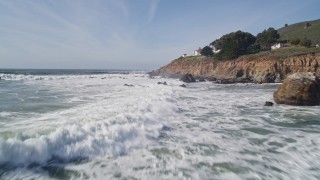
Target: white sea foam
5,114
19,77
104,127
151,131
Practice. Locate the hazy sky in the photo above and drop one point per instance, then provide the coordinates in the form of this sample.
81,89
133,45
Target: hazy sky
130,34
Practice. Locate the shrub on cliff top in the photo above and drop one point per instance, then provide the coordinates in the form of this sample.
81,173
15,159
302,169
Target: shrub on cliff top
305,42
206,51
266,38
234,44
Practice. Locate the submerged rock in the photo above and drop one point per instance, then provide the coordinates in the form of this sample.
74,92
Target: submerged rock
234,80
187,78
129,85
268,103
163,83
299,89
183,85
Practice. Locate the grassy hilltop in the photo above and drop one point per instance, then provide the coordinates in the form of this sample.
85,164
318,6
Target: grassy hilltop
301,39
298,30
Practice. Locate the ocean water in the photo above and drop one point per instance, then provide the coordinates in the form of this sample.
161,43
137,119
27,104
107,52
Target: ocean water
86,124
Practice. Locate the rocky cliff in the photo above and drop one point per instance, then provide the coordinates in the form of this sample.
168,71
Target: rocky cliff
264,69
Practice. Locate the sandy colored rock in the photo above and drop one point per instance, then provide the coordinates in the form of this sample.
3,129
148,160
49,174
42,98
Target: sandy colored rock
260,69
299,89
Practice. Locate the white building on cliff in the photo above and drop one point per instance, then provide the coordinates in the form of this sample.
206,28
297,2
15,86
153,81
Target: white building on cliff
277,46
197,52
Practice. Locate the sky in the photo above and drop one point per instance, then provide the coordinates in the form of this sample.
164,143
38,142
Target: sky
130,34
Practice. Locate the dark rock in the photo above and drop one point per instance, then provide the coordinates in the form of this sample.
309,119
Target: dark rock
129,85
187,78
244,80
268,103
166,128
163,83
225,81
153,73
211,79
183,85
269,78
201,80
234,80
299,89
240,73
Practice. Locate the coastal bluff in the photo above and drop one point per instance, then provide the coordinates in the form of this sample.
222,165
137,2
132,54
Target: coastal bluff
259,69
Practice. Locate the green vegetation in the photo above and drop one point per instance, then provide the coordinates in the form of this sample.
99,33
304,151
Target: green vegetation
288,51
230,51
295,41
266,38
234,44
305,42
207,51
300,38
280,53
301,31
195,58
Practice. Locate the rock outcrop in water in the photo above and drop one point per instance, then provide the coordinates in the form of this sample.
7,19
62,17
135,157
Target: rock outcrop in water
163,83
268,103
259,69
300,89
187,78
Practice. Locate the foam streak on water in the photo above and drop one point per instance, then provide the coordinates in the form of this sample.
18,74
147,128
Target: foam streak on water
91,126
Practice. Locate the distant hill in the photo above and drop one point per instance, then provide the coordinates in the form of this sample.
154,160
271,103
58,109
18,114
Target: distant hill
299,30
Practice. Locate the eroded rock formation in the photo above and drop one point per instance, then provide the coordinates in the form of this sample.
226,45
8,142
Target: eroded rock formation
299,89
260,69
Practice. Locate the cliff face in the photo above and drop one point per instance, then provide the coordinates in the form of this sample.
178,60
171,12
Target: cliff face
256,68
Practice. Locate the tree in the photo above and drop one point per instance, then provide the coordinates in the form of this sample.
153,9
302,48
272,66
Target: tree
305,42
266,38
206,51
286,25
230,50
233,44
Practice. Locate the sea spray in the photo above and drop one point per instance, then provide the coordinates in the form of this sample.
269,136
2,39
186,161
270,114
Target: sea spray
95,131
91,126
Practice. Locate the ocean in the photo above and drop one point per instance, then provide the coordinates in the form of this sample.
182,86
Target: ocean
115,124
